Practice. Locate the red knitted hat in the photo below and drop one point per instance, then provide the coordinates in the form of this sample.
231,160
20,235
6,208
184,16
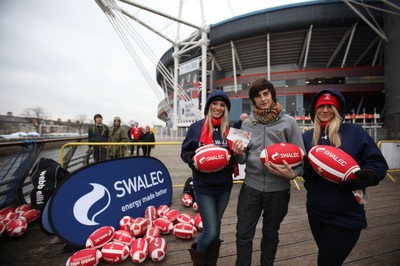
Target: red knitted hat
327,98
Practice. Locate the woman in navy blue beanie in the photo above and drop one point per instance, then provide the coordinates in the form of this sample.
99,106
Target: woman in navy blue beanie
211,190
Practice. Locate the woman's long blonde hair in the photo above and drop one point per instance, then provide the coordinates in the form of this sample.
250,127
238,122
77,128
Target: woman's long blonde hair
332,129
224,122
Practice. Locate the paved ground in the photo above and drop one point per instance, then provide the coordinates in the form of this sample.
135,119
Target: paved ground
379,244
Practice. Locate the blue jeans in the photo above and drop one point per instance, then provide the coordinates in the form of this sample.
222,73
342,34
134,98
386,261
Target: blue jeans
251,203
211,209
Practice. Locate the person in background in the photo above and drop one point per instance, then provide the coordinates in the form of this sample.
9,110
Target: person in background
266,187
98,133
336,218
117,134
147,136
211,190
242,117
134,134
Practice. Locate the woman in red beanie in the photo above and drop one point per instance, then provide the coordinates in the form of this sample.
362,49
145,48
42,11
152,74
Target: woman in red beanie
335,216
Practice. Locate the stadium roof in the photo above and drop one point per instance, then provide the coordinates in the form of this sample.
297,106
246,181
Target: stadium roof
337,37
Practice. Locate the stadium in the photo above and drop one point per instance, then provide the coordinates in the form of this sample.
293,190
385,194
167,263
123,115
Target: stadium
301,48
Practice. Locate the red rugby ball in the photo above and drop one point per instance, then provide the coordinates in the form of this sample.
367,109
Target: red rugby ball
124,237
151,233
16,227
22,208
115,252
198,222
6,210
100,237
279,152
162,210
139,226
332,163
172,215
8,217
126,222
151,214
187,200
195,207
157,249
85,257
185,218
31,215
139,250
165,225
185,230
211,158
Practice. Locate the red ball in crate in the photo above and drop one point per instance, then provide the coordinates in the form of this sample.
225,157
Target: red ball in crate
332,163
115,252
279,152
85,257
211,158
100,237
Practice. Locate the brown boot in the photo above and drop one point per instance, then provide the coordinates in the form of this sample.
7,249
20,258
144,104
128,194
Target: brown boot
213,252
199,259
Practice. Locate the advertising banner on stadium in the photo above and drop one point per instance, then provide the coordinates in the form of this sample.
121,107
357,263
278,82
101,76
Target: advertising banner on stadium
189,91
103,193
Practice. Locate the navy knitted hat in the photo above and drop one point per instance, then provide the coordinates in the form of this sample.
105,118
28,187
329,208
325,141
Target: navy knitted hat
217,95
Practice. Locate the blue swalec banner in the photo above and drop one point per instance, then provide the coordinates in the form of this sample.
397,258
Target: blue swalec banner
103,193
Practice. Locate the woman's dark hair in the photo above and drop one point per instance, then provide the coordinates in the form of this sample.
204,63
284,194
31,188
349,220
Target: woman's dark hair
260,85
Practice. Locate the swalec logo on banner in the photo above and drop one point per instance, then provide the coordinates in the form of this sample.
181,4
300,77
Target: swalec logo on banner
103,193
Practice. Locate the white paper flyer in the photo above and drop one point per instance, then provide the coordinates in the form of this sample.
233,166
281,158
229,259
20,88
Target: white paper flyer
235,133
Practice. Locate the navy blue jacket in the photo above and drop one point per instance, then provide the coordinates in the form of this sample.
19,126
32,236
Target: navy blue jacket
325,201
206,183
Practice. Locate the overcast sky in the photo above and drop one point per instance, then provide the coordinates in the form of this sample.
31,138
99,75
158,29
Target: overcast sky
66,57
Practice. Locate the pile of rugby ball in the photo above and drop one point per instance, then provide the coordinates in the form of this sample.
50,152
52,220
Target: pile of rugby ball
14,221
137,238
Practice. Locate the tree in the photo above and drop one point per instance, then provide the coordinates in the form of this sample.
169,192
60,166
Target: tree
80,121
36,116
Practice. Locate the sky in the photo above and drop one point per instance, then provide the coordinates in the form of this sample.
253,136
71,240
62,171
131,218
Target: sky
67,58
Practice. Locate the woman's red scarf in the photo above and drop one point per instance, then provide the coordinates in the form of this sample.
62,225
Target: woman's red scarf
207,138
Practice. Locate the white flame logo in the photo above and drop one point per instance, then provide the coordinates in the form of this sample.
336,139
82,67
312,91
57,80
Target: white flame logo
83,204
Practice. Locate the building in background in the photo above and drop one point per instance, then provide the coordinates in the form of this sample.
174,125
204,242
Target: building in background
303,48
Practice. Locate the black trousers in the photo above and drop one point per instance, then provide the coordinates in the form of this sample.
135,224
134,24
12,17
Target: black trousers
334,243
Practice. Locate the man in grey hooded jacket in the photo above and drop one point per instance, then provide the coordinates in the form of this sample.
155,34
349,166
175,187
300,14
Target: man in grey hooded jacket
266,187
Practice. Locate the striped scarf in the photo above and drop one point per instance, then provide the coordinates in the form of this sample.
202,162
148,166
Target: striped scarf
268,115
